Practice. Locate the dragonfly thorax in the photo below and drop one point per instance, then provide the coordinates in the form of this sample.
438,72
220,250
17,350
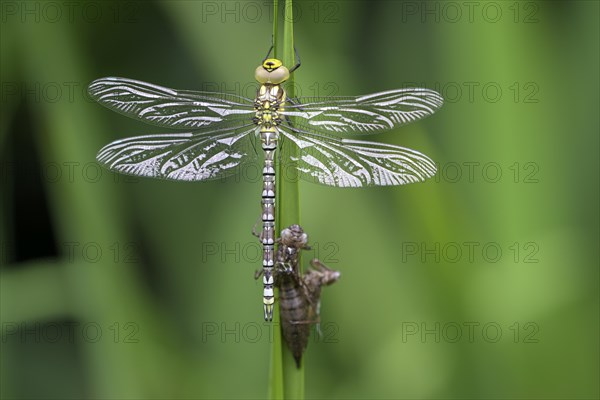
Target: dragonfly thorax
268,104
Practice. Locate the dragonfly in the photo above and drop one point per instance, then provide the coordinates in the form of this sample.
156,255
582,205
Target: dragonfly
218,134
299,295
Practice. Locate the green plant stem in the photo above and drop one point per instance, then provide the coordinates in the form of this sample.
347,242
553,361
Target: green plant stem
287,381
275,27
288,211
289,206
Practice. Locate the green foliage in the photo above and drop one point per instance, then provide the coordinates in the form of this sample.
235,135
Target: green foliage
288,213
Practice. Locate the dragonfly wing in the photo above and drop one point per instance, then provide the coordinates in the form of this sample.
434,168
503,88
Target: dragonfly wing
182,156
355,163
171,108
367,114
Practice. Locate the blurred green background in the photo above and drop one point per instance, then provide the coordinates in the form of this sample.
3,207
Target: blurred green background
480,283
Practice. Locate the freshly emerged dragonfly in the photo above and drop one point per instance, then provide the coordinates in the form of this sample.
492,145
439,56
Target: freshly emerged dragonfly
220,134
299,295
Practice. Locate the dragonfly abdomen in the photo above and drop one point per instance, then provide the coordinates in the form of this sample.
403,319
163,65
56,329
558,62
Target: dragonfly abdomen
268,231
294,313
268,100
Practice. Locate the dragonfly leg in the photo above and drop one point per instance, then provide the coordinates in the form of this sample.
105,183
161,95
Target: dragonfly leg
319,266
317,320
270,48
320,275
314,279
254,232
259,235
295,67
284,268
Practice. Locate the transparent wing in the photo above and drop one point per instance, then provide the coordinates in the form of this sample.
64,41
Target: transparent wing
182,156
355,163
371,113
171,108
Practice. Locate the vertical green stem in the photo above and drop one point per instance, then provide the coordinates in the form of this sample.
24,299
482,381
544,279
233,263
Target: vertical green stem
275,26
288,202
288,211
287,381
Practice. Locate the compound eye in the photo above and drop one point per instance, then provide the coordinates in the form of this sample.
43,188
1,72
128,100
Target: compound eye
261,75
304,238
276,76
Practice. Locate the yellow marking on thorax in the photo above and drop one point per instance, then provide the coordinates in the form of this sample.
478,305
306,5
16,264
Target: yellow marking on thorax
269,102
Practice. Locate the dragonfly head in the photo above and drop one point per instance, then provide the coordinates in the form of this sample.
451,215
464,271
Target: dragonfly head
294,236
272,71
